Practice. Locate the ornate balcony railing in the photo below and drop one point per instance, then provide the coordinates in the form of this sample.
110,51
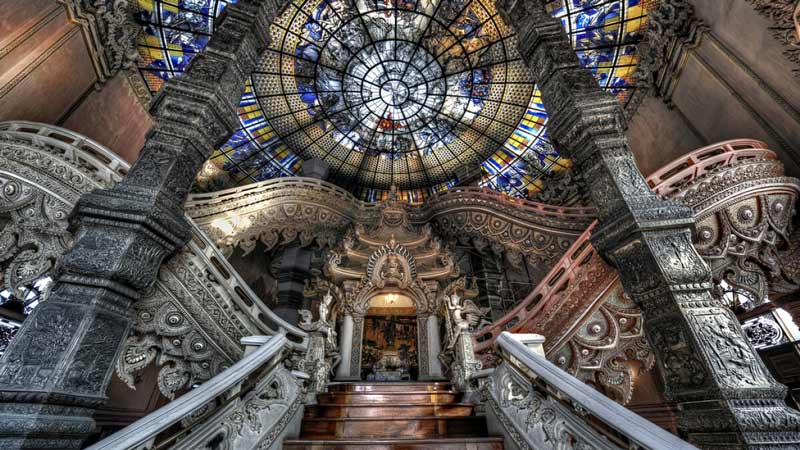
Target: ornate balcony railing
199,300
580,304
251,402
538,404
281,210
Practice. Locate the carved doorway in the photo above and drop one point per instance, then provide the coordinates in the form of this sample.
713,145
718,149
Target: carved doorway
390,341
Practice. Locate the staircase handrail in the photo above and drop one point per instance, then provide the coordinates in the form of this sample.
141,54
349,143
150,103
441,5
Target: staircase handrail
140,434
241,292
586,403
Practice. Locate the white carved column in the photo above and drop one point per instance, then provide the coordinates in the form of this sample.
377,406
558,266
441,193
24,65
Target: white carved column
434,348
345,348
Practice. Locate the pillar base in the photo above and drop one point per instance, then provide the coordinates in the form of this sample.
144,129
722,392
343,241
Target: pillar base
29,426
346,379
433,378
740,424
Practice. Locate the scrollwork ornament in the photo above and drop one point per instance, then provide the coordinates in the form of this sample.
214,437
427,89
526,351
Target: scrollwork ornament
785,15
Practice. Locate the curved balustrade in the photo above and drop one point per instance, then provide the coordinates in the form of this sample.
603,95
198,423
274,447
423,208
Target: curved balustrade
141,434
242,295
281,210
210,305
581,281
547,303
105,166
202,205
527,389
682,171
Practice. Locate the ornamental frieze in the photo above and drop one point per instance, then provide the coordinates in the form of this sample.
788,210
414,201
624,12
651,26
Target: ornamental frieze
276,212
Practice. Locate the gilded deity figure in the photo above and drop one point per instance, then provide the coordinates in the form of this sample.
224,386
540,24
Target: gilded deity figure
393,270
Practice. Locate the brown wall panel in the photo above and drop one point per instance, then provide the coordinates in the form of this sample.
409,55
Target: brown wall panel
114,117
748,35
659,135
53,86
21,18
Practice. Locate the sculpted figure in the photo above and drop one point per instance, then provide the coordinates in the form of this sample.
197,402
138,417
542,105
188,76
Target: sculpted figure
456,312
393,270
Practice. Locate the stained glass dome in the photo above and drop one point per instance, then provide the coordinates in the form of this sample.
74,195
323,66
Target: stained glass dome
401,92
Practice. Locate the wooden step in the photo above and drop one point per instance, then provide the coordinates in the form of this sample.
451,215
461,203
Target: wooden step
393,427
344,410
398,444
366,386
387,398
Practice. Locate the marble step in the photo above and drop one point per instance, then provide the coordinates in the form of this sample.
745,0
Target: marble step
398,444
393,427
344,410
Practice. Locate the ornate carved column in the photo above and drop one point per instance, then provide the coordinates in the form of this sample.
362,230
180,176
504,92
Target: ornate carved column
727,397
358,345
57,369
423,347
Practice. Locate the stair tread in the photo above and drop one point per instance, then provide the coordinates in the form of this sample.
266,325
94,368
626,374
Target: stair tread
378,405
390,441
444,391
385,418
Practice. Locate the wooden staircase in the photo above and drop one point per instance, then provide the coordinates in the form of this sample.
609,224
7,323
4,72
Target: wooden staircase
392,416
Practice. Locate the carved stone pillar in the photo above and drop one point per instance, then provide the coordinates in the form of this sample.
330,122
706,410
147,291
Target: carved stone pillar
489,283
358,345
56,371
345,349
434,348
423,348
292,275
727,397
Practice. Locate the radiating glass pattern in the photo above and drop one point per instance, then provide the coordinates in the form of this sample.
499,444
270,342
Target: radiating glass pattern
173,32
394,91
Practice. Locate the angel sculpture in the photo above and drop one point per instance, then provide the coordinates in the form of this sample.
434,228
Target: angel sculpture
456,312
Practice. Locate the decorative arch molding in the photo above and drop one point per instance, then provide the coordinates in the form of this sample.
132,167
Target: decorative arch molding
317,211
580,306
380,257
190,322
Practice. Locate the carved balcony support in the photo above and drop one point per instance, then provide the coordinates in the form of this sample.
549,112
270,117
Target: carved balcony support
728,399
56,371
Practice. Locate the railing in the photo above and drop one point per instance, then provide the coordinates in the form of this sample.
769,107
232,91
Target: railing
541,304
82,152
539,404
247,301
141,435
281,185
538,307
686,169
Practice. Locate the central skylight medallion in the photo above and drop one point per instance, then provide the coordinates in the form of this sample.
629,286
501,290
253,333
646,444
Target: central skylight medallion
389,92
392,90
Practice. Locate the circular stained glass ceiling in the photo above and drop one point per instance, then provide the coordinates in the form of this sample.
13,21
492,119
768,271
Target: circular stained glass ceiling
332,71
400,92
